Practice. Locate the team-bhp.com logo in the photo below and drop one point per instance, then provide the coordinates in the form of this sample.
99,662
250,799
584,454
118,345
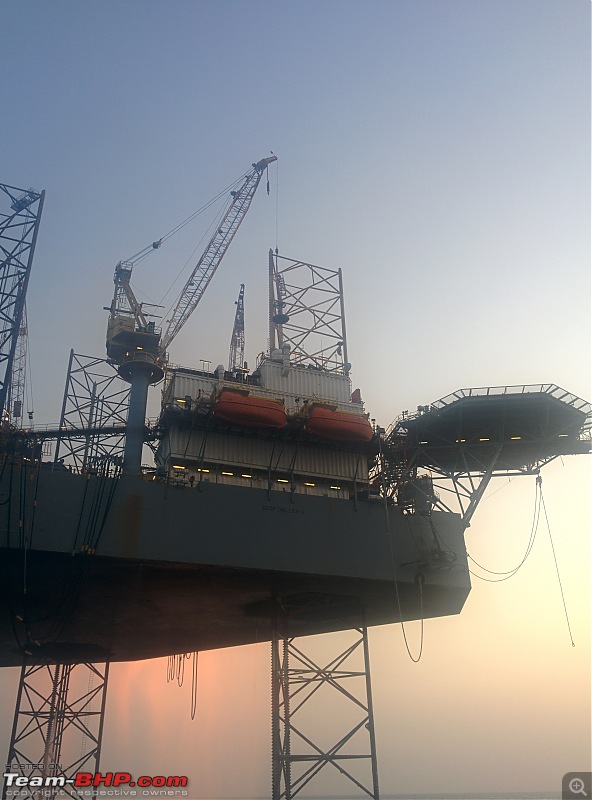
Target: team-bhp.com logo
90,780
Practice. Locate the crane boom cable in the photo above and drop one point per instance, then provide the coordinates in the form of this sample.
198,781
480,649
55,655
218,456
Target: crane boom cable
203,208
204,270
145,251
214,224
207,265
135,259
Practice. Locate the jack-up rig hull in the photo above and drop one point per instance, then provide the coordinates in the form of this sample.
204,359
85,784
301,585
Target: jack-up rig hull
176,569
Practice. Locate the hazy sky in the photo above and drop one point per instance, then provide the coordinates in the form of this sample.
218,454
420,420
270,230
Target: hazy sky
438,152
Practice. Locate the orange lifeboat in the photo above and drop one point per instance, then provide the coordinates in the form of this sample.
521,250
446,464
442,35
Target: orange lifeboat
242,409
340,425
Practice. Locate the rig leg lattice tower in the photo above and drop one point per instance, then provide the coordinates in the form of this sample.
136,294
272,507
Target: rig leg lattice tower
58,726
322,668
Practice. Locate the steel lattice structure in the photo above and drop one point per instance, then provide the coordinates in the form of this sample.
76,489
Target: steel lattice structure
94,415
302,745
306,312
58,726
18,236
16,401
236,357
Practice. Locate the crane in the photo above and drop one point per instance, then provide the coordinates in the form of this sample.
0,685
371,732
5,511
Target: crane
134,343
128,328
236,357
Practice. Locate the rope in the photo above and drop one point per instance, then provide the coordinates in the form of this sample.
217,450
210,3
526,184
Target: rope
573,644
176,673
420,579
194,685
539,503
495,491
533,532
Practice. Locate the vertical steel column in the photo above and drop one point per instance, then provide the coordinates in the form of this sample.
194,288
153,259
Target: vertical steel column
280,710
140,369
59,709
297,677
370,726
136,422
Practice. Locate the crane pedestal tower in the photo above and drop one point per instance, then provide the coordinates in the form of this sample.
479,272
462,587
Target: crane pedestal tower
141,370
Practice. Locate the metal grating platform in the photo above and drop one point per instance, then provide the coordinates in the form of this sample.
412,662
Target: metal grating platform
522,427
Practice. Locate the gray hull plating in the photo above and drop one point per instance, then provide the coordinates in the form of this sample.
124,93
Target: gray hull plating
129,569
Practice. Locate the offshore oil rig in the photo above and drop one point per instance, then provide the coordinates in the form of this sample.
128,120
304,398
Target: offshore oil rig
274,508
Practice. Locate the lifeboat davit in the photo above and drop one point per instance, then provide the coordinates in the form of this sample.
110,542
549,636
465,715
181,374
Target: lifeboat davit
340,425
242,409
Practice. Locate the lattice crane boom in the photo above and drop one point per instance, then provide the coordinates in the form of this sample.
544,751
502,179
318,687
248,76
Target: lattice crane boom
236,358
212,256
18,236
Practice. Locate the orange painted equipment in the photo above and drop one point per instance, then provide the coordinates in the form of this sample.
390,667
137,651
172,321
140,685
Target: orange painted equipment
339,425
242,409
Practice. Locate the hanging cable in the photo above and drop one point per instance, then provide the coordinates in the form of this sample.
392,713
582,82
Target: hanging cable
194,685
495,491
507,574
146,251
573,644
176,673
419,577
214,224
76,576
